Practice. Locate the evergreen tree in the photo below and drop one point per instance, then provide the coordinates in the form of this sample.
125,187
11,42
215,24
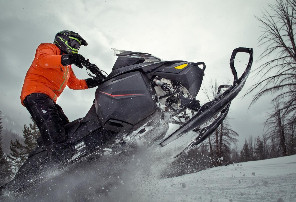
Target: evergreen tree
245,152
5,171
259,150
31,133
1,127
235,158
291,140
18,154
20,151
251,149
274,151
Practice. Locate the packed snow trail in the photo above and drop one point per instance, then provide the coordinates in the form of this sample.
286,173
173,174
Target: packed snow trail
136,176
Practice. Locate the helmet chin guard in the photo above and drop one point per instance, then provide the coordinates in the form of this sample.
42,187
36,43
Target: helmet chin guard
69,42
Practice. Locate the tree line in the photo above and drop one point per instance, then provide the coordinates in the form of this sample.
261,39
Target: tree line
220,150
19,151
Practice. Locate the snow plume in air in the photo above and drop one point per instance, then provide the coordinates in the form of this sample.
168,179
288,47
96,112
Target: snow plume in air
132,175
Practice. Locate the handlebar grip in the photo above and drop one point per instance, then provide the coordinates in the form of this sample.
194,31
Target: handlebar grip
94,69
202,64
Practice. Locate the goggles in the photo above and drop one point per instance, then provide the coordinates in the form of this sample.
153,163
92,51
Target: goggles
74,43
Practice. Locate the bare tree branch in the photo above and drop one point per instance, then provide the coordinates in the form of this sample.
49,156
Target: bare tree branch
278,72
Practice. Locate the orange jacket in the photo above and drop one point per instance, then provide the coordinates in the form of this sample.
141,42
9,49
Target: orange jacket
47,75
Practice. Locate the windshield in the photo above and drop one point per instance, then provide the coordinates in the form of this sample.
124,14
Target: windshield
148,57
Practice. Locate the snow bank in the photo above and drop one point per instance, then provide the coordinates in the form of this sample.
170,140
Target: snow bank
137,177
266,180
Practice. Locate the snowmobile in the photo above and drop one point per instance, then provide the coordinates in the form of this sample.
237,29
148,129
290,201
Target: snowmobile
141,90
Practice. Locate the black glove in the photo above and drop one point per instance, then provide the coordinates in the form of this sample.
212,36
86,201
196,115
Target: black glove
75,59
90,66
91,82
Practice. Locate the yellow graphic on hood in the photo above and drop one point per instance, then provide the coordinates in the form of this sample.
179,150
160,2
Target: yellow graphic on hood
181,66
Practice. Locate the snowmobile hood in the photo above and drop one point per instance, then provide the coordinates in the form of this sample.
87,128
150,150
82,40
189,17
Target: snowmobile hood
188,74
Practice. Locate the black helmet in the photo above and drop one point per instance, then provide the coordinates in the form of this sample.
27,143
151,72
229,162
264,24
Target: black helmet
69,42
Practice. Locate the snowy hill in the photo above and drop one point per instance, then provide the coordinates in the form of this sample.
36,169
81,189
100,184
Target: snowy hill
266,180
137,178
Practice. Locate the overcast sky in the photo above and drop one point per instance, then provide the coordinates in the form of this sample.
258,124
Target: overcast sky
192,30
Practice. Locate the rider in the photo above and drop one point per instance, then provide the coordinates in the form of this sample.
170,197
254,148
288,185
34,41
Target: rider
46,79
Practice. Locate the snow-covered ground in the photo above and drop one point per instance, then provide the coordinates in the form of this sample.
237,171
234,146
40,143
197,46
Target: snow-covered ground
137,178
267,180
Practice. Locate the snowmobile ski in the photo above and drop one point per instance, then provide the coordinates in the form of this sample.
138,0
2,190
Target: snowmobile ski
222,102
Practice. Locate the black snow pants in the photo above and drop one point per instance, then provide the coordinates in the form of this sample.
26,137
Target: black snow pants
49,118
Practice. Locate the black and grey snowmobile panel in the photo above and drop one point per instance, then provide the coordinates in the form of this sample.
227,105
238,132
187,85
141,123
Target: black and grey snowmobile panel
80,128
144,67
130,54
189,75
124,101
127,61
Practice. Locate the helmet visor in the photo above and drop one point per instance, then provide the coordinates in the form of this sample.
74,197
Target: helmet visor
74,43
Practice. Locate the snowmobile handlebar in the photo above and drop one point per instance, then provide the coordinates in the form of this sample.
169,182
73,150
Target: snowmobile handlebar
99,76
232,59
